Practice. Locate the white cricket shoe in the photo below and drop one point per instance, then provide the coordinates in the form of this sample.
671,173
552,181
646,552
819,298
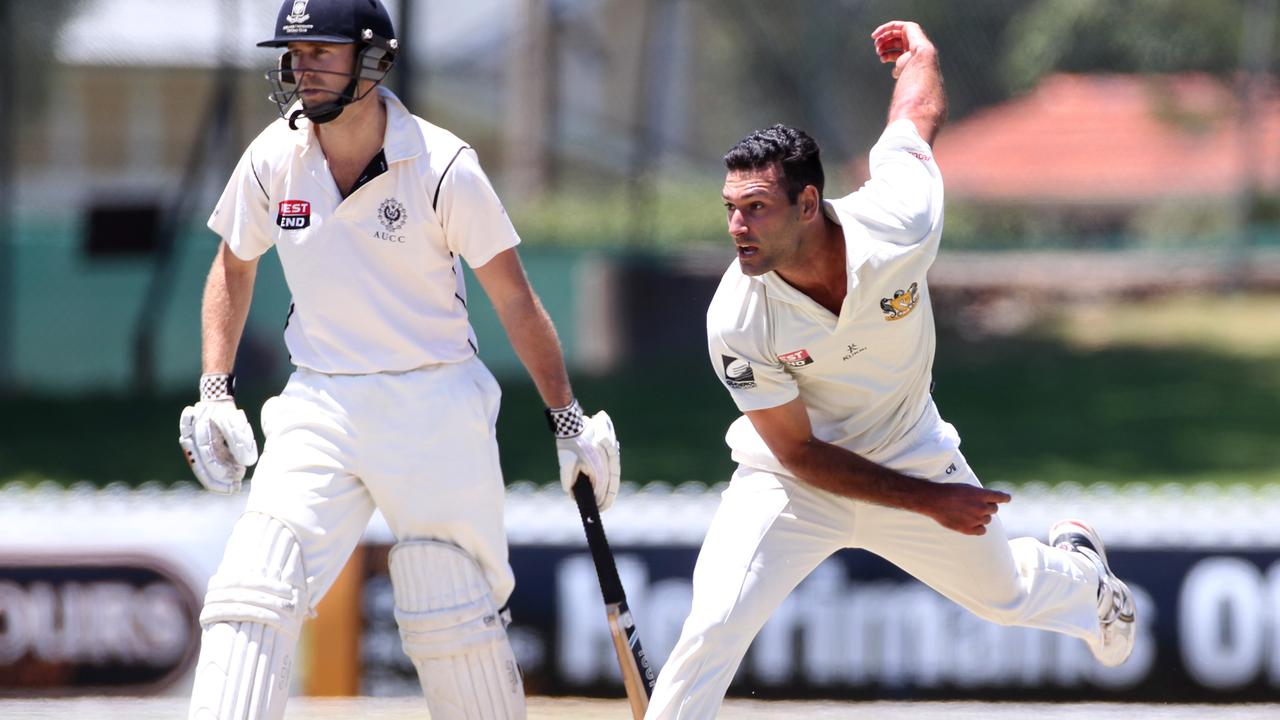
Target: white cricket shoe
1115,602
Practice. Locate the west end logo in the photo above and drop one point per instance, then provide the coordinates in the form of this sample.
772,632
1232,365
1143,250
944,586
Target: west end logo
798,358
294,214
392,215
901,304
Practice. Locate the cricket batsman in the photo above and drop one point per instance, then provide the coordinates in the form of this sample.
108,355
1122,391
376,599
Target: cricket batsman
372,211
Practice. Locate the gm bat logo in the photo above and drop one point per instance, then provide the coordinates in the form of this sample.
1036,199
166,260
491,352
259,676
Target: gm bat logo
628,624
294,215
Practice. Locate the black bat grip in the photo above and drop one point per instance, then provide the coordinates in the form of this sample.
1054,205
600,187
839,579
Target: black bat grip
610,583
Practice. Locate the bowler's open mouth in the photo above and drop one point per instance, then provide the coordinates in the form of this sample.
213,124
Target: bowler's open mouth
747,250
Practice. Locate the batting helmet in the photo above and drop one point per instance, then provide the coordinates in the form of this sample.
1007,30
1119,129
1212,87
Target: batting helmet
364,23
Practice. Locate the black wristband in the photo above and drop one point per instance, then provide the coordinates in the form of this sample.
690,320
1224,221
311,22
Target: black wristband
217,386
565,422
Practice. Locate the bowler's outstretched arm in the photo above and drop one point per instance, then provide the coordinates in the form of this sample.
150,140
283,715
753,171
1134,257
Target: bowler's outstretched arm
919,95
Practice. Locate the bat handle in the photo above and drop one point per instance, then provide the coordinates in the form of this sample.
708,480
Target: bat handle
606,568
585,495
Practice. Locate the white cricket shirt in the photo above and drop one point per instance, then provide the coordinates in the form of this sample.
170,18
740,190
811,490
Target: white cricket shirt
376,277
863,376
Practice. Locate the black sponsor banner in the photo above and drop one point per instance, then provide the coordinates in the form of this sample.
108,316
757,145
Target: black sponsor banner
93,625
859,628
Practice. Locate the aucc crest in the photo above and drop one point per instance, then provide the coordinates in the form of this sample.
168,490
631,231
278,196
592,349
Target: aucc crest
391,214
901,304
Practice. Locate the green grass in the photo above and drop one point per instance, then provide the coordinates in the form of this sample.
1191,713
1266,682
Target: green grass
1042,411
106,439
1143,405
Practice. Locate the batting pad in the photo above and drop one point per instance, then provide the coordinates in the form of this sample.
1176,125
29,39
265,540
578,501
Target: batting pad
452,630
252,614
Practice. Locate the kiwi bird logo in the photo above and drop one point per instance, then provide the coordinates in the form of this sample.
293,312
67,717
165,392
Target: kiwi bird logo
391,214
901,304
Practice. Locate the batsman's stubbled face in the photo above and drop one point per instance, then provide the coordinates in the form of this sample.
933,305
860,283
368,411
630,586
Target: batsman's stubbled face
764,224
322,70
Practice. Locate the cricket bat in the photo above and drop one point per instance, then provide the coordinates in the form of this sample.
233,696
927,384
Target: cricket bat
637,675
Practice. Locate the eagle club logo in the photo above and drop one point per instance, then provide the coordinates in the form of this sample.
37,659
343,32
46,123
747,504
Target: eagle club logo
738,373
901,304
797,358
294,214
392,215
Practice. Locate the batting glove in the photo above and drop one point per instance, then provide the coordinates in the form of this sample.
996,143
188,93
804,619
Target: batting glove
216,437
587,445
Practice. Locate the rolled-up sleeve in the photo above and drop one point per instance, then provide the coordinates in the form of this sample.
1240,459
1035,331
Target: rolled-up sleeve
902,202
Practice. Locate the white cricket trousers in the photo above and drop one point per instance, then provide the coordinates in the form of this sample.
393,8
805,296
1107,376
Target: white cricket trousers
772,530
419,445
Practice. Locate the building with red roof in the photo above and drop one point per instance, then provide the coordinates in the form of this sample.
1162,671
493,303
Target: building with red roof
1116,139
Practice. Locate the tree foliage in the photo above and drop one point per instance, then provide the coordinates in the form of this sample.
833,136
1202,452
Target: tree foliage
1134,36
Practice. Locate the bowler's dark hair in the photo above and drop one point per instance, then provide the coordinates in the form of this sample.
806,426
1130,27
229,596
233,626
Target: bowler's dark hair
795,153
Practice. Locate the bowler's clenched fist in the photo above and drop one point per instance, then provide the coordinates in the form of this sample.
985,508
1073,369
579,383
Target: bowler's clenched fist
967,509
897,42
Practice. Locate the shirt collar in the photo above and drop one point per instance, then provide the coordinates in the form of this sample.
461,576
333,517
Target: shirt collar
403,138
856,252
857,246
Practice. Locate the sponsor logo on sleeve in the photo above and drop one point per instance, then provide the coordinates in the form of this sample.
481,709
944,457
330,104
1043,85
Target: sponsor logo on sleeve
797,358
901,304
738,374
294,214
919,155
